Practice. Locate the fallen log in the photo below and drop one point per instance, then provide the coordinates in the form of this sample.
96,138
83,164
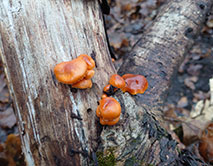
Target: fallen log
58,124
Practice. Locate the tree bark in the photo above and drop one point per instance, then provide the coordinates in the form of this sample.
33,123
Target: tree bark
139,137
58,126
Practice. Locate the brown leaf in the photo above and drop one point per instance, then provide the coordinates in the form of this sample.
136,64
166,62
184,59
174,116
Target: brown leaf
183,65
192,130
4,95
206,144
183,102
7,118
200,95
209,23
1,148
189,82
13,145
194,69
126,8
2,82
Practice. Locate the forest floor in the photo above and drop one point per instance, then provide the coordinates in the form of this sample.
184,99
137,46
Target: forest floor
188,108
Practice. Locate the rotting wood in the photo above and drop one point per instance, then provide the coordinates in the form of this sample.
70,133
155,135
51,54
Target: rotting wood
139,138
35,35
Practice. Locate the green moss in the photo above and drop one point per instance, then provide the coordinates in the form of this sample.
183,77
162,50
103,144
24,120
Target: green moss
107,159
178,150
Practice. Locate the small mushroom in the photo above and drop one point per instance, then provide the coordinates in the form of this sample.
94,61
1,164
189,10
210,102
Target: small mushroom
108,111
135,84
106,88
103,96
117,81
70,72
83,84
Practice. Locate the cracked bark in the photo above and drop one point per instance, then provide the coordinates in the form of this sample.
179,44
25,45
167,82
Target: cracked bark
58,124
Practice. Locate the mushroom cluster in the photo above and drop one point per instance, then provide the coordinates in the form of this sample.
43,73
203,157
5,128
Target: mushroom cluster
131,83
77,72
108,111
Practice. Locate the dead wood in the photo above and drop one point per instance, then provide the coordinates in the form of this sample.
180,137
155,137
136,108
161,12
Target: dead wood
58,125
139,138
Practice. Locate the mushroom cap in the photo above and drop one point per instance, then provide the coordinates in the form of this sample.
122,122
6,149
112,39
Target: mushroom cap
107,87
83,84
89,74
109,122
135,83
90,62
117,81
70,72
103,96
109,108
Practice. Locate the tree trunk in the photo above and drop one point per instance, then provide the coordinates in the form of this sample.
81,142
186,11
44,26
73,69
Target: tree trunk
58,125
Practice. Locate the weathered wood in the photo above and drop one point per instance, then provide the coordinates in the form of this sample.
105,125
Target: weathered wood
162,48
139,137
35,35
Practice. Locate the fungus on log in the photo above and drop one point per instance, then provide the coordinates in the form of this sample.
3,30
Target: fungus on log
59,125
139,137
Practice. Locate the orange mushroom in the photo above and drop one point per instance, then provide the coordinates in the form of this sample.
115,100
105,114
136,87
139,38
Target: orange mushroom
109,122
77,72
117,81
70,72
103,96
106,88
90,62
135,84
108,111
83,84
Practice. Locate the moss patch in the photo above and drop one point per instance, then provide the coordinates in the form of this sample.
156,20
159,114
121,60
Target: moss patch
107,159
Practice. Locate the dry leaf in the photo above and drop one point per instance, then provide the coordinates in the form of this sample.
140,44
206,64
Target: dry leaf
194,69
189,82
192,130
183,102
7,118
206,144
